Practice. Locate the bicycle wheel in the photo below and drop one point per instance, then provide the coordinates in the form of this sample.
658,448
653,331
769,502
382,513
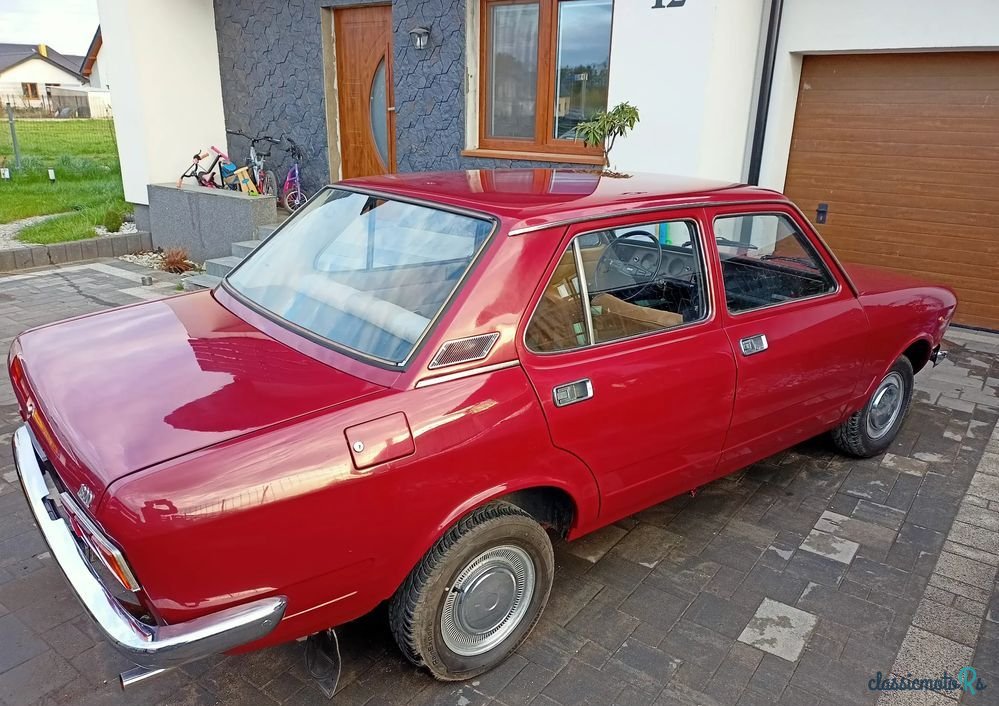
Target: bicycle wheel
270,184
293,199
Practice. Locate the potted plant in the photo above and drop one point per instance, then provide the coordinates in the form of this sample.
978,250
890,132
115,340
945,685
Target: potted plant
604,128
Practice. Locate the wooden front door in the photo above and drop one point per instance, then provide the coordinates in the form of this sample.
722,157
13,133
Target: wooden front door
904,151
363,41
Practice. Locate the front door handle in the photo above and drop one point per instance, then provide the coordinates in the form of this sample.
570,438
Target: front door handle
752,345
572,392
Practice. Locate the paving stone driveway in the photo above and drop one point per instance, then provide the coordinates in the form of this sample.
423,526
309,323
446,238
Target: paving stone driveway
793,582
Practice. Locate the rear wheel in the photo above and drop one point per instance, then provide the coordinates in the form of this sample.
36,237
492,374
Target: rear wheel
476,595
270,184
871,430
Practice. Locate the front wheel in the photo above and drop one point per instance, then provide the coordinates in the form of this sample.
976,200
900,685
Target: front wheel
476,595
872,430
293,199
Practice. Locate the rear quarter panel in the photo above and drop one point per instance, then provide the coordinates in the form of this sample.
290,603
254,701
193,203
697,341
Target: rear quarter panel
286,512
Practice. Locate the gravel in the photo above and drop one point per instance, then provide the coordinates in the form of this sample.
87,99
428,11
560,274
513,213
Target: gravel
9,231
126,227
152,260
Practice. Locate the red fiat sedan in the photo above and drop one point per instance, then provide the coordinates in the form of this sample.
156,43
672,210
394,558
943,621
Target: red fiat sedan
418,379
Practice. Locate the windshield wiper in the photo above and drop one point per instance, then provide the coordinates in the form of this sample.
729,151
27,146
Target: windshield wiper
788,258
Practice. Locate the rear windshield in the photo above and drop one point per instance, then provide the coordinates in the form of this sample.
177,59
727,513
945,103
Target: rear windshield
361,271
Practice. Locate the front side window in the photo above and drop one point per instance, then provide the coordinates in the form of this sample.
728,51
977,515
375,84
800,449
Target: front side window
30,90
366,273
546,70
638,279
766,260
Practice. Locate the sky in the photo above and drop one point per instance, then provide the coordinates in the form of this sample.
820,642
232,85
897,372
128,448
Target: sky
65,25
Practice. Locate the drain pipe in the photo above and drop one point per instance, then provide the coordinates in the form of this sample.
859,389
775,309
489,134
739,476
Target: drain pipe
766,88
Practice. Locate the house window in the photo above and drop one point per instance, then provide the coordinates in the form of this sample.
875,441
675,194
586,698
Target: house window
29,90
545,68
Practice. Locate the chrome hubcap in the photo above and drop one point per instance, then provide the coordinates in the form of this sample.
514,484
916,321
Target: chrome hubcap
488,600
886,405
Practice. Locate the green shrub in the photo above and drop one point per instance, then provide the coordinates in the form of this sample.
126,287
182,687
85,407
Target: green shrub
113,220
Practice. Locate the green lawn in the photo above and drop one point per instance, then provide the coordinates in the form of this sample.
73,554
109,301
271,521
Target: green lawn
88,177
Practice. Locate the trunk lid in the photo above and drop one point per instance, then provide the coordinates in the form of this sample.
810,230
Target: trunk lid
118,391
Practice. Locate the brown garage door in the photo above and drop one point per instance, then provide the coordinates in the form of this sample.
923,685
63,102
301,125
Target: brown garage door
904,148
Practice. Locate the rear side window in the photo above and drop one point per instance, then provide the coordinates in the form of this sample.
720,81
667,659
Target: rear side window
766,260
635,280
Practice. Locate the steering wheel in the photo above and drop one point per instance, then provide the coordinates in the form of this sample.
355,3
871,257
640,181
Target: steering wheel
616,272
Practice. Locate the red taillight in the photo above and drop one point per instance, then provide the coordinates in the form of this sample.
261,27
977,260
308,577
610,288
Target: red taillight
92,536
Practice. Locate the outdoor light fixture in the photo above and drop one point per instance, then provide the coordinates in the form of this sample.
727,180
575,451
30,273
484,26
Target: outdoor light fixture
420,37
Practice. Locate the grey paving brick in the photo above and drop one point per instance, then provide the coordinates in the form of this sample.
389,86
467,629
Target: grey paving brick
723,616
640,665
693,644
847,610
17,643
947,621
655,608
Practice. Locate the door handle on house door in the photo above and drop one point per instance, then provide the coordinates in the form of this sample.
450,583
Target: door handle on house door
391,109
752,345
572,392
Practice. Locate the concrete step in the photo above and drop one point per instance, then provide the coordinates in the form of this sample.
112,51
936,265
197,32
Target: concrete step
264,231
221,266
197,282
244,247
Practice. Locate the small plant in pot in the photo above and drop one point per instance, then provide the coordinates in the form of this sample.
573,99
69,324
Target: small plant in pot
604,128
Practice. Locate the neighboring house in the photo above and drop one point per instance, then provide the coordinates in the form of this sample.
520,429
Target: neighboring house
29,72
852,107
94,68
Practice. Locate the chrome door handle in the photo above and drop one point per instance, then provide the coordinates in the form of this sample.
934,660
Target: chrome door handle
572,392
754,344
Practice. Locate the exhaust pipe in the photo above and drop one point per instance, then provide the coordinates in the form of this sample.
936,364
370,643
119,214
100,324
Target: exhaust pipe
137,674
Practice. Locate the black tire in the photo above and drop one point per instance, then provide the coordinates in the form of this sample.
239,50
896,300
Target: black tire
854,436
270,184
416,609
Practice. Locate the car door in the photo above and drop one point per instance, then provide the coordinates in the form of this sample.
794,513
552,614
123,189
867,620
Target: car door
638,383
795,326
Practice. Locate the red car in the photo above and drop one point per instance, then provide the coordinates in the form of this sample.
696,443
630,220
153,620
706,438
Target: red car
418,378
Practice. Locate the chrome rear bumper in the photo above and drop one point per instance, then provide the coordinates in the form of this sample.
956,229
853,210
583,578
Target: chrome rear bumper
152,646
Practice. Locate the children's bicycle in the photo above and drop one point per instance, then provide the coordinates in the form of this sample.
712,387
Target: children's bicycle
264,180
292,195
220,167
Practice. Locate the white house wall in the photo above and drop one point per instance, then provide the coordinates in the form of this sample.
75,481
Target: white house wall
690,69
166,89
862,26
37,71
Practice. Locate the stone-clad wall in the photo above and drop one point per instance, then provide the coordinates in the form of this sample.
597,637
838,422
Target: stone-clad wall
271,59
429,89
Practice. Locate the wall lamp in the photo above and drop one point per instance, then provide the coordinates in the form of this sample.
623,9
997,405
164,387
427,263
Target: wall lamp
420,37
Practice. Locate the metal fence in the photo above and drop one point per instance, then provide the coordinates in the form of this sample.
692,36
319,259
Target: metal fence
44,132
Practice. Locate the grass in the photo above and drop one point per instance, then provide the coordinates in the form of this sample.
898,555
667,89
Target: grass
88,178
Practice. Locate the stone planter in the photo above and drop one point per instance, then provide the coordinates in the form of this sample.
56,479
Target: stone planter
205,222
60,253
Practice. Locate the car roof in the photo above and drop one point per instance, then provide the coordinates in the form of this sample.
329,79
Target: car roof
529,199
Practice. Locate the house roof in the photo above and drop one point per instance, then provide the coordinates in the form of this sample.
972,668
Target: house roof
14,54
87,65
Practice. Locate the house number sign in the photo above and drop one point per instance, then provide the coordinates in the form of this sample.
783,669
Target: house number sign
660,4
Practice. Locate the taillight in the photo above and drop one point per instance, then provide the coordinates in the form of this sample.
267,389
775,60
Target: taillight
92,536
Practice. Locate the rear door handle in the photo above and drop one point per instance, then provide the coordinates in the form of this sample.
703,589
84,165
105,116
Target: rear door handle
752,345
572,392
